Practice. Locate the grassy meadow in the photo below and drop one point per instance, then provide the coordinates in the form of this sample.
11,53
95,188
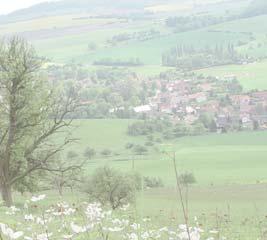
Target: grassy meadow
230,170
251,76
230,157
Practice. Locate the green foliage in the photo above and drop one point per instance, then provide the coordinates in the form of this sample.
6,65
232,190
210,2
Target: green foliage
139,36
89,153
149,143
153,182
111,187
208,122
106,152
111,62
28,184
147,127
139,150
188,57
187,23
129,145
182,129
187,179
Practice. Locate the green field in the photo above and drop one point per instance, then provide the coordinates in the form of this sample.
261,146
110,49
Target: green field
245,25
74,47
149,52
233,158
251,76
230,170
67,46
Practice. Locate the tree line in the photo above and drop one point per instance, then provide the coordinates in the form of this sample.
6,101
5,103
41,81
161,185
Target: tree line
190,57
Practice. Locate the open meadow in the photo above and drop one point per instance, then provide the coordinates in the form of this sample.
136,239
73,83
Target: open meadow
251,76
230,170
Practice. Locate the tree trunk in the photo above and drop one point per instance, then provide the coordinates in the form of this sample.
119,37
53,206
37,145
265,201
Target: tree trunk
60,190
6,194
59,186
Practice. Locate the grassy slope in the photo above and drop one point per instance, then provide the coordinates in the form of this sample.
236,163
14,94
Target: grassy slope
245,25
233,163
149,52
232,158
251,76
230,170
52,22
75,46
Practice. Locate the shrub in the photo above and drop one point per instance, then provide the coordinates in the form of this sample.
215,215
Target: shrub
149,144
140,150
187,178
109,186
153,182
106,152
89,153
150,138
129,145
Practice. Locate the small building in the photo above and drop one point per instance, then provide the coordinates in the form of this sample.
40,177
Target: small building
142,109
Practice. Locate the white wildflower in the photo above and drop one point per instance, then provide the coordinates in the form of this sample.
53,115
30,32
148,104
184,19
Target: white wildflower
38,198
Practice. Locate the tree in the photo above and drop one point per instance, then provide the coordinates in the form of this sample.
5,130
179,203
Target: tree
106,152
32,113
139,150
109,186
186,180
89,153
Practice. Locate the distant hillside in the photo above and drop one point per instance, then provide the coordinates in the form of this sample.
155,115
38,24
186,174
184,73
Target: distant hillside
257,7
78,6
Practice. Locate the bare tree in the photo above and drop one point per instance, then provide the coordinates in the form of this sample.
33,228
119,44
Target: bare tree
35,118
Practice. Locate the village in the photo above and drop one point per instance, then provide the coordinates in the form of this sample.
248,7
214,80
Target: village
223,100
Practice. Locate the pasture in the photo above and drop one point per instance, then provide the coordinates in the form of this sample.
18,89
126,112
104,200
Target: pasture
233,158
251,76
66,38
230,169
149,52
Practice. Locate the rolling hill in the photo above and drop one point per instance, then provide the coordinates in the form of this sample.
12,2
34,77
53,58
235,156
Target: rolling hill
257,7
94,7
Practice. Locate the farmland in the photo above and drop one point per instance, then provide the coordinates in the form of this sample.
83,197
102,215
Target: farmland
236,187
233,152
209,116
237,162
251,76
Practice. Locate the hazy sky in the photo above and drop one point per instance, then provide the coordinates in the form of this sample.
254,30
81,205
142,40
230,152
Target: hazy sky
7,6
